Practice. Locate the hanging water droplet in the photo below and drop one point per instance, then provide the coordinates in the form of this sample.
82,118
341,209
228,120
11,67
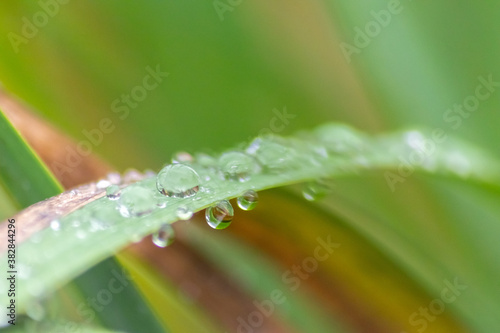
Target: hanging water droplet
136,201
220,215
178,180
164,236
248,200
113,192
315,191
184,213
182,157
238,166
55,225
35,310
136,238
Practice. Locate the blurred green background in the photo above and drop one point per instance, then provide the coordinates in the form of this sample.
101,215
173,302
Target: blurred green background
233,66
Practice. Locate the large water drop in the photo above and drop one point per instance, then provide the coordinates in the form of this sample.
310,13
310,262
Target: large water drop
220,215
136,201
178,180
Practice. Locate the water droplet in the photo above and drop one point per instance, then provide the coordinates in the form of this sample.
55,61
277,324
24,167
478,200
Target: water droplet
220,215
136,238
248,200
113,192
136,201
184,213
132,176
114,178
100,219
206,160
182,157
341,138
148,173
102,184
272,155
315,191
35,310
238,166
164,236
178,180
55,225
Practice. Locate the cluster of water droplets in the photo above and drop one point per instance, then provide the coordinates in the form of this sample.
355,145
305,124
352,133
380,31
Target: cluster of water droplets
136,203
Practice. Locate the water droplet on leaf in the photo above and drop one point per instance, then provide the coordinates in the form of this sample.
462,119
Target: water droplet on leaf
315,191
164,236
184,213
182,157
136,201
220,215
238,166
113,192
248,200
178,180
132,176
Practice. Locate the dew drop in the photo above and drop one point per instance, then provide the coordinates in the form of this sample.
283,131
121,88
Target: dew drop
220,215
206,160
273,155
184,213
178,180
55,225
114,178
315,191
148,173
238,166
132,176
102,184
248,200
341,138
136,201
164,236
182,157
113,192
